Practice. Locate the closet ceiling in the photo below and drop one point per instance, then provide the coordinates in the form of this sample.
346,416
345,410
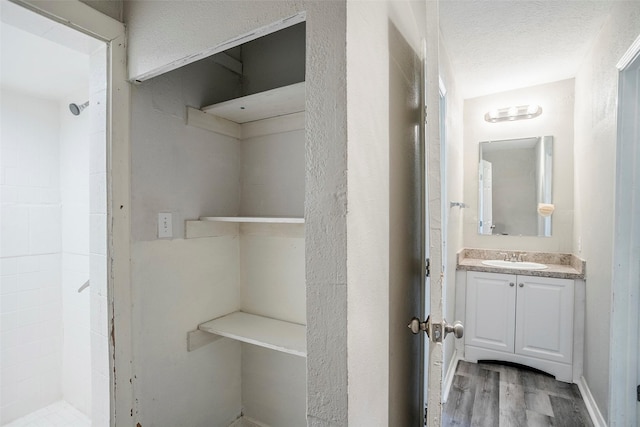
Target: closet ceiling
496,45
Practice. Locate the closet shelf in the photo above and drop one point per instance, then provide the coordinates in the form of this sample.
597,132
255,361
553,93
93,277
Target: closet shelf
257,219
217,226
262,331
272,103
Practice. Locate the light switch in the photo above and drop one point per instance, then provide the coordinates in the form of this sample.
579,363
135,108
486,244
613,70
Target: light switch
165,226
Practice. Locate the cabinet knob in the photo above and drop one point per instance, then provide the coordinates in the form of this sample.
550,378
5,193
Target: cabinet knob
512,284
521,285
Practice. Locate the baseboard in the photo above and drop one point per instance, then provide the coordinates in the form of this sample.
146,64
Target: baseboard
590,402
247,422
448,379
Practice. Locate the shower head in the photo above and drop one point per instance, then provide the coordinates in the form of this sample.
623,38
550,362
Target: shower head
77,109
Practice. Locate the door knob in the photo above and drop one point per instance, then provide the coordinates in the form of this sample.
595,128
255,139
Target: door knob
435,330
457,328
417,326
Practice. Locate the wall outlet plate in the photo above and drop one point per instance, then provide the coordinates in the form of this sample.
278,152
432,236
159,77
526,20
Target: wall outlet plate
165,225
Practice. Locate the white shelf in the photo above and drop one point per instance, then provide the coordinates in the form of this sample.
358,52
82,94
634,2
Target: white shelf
272,103
262,331
256,219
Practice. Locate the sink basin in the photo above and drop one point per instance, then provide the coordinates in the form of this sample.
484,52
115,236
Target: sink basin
516,265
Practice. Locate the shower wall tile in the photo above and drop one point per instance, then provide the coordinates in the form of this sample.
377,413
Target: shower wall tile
98,111
30,230
98,161
98,191
14,226
8,266
98,70
99,274
75,226
98,233
44,229
8,194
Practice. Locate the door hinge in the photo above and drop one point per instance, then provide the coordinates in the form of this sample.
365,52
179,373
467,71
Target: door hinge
428,267
638,393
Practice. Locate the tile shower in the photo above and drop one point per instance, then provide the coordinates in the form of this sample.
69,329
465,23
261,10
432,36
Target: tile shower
53,339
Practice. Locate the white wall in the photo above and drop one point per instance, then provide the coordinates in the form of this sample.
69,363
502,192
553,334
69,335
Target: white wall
31,301
595,162
178,284
157,37
557,101
384,199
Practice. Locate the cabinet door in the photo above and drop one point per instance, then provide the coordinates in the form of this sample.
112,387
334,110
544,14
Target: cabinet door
490,312
544,320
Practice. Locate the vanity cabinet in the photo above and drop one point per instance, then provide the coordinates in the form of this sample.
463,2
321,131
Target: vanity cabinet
521,319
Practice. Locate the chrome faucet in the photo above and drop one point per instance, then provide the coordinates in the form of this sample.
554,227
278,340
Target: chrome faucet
514,257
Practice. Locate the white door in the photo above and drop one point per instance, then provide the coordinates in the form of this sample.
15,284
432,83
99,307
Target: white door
625,319
486,197
435,325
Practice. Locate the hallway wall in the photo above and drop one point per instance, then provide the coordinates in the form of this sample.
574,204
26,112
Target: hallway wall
595,162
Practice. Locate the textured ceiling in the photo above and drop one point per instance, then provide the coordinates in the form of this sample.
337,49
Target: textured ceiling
496,46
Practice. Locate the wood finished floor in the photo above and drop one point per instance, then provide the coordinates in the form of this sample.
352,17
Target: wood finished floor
496,395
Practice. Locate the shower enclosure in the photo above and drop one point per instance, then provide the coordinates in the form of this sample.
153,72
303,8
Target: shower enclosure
53,343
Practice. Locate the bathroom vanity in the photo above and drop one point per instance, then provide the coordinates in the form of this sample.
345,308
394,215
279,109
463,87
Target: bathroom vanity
514,314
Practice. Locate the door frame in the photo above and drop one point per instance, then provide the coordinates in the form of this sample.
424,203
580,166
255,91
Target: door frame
87,20
433,222
624,377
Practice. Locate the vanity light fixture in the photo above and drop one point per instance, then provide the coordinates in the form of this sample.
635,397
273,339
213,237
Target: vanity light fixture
520,112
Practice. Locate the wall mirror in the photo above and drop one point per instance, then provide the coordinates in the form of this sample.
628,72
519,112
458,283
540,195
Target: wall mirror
515,187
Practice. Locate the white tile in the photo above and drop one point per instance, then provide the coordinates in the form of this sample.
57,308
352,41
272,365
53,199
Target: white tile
100,355
30,281
75,262
99,319
98,193
11,338
9,321
49,196
28,264
51,313
20,301
49,263
51,295
15,177
29,195
29,317
8,266
98,153
98,111
14,228
44,230
98,274
98,70
98,234
75,228
9,156
9,285
8,194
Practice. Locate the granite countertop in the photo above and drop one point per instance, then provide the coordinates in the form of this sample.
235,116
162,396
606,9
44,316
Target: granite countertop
561,265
